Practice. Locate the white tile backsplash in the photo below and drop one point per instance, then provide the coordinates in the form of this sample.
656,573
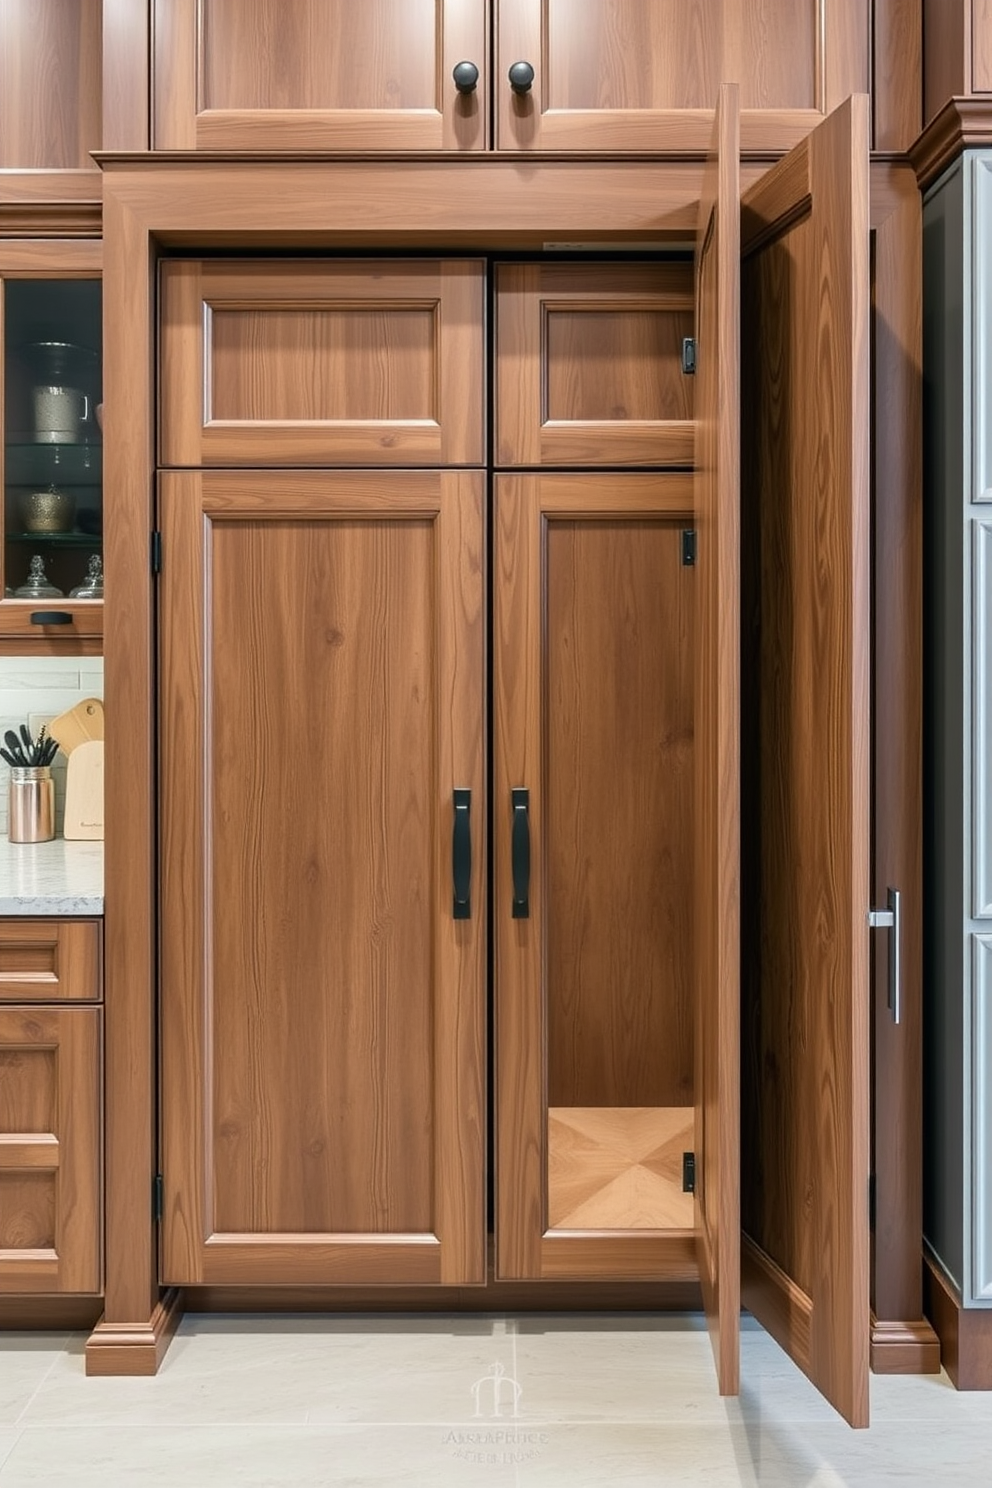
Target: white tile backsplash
34,690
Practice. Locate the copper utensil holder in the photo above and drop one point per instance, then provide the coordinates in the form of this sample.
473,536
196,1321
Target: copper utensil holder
31,809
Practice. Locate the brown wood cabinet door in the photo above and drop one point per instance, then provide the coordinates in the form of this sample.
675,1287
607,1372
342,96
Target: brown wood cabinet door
50,1160
589,364
716,739
323,1009
318,75
286,362
593,661
627,75
805,755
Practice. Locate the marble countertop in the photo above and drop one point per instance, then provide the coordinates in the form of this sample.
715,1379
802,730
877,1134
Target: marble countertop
51,878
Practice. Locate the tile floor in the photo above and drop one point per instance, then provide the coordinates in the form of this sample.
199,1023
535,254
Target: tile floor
399,1401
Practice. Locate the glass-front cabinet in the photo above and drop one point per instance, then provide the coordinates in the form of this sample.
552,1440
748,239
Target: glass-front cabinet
52,448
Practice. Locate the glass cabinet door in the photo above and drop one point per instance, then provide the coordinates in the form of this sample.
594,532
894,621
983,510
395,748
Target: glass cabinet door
52,550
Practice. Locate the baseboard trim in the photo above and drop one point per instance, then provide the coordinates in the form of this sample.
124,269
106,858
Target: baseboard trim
965,1333
135,1348
904,1347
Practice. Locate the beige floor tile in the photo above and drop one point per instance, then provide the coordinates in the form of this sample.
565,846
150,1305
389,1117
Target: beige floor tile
289,1370
784,1455
607,1454
25,1360
264,1456
648,1369
8,1436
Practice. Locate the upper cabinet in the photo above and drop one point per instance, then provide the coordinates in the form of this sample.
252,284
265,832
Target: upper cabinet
72,80
958,57
566,75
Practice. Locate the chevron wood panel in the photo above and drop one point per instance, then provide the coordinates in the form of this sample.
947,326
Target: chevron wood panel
618,1168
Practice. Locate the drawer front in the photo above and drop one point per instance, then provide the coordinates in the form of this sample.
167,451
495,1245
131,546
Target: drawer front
50,1149
50,961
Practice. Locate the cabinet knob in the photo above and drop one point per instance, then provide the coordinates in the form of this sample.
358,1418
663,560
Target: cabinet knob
50,617
521,77
466,76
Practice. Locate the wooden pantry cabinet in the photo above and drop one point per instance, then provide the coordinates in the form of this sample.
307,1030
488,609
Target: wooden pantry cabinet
324,877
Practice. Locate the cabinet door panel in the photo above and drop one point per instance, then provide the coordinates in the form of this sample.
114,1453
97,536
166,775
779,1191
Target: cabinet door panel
635,76
50,961
318,75
323,1013
50,1160
716,921
589,364
593,679
292,363
805,755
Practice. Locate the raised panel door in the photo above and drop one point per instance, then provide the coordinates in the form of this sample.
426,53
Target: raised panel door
292,362
303,75
50,1156
323,998
636,76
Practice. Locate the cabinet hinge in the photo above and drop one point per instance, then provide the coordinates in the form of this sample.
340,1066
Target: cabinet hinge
156,552
689,355
158,1198
688,547
688,1172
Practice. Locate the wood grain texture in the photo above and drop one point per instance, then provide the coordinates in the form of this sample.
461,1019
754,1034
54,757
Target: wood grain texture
588,365
50,961
897,705
126,85
338,363
904,1347
965,1333
617,666
618,1168
233,74
50,1150
523,687
946,53
805,763
332,1053
897,73
495,1296
50,71
715,878
645,77
981,46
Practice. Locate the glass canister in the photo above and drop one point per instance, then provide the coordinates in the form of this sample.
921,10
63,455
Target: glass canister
31,806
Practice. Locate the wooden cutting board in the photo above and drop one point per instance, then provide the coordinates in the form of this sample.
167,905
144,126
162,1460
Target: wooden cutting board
84,793
80,724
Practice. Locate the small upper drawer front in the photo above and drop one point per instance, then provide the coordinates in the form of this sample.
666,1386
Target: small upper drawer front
303,362
50,961
589,364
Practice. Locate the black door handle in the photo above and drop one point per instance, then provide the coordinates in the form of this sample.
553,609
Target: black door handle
50,617
520,853
461,856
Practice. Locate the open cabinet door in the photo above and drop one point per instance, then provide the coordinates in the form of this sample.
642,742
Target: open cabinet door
716,895
805,755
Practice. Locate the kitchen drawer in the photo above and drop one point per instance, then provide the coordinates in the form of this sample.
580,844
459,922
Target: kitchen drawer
50,961
50,1149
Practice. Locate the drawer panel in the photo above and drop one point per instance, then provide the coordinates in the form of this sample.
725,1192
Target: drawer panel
50,961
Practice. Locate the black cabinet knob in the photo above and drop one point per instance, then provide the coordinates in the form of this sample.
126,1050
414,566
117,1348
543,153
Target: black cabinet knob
50,617
521,77
466,76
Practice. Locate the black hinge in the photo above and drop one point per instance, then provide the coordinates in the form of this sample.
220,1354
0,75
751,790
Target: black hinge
158,1198
156,552
688,547
689,355
872,1188
688,1172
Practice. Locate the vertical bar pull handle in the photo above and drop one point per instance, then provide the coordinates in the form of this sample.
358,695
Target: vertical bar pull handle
520,853
461,856
890,919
